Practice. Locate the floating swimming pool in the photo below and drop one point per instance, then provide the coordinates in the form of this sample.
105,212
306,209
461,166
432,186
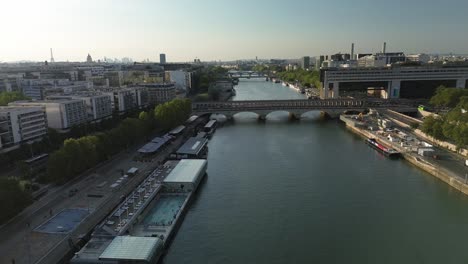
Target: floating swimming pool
165,210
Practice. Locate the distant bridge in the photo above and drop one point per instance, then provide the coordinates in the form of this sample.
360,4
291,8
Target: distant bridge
245,74
298,107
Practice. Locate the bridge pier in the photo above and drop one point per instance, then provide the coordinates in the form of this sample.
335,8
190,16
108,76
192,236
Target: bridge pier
294,116
262,117
335,90
395,89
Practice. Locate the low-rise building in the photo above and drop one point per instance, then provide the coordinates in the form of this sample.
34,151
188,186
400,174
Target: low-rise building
193,148
61,114
21,124
422,58
186,176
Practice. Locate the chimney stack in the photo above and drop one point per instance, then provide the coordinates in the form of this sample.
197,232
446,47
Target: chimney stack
352,51
384,49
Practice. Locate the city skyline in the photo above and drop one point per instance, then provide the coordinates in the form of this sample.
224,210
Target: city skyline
228,31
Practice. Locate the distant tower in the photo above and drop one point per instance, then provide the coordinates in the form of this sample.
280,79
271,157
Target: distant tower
51,56
89,59
352,51
384,48
162,58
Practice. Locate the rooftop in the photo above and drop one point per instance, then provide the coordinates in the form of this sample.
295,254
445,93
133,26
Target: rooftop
210,124
6,109
186,171
192,146
132,248
177,130
154,145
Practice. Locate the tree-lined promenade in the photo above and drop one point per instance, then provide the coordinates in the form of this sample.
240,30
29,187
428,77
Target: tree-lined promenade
79,154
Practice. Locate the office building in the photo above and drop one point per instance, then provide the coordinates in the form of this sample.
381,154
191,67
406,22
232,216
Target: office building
61,114
162,58
21,125
305,62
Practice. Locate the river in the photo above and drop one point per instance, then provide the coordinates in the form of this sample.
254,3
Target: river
312,192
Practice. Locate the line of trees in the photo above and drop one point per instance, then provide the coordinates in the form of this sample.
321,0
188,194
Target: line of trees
306,78
13,198
8,97
80,154
54,140
453,125
173,113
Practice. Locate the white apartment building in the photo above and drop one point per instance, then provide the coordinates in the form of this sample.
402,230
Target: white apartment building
98,106
61,114
21,124
181,79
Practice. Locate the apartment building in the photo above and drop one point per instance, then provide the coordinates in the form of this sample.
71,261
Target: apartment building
21,124
61,114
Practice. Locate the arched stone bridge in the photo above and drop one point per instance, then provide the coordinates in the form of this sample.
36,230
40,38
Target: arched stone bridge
299,107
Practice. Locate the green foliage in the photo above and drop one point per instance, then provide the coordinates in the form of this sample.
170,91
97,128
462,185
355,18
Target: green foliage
448,97
205,77
8,97
173,113
306,78
452,126
204,97
414,125
213,92
78,155
12,198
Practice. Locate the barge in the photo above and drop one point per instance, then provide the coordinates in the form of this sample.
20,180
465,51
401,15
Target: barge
389,152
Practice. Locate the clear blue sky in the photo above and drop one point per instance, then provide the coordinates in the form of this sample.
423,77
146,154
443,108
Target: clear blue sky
225,30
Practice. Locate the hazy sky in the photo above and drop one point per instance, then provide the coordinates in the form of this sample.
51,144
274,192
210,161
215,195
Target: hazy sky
225,30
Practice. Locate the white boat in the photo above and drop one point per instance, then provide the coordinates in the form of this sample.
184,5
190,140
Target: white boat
285,84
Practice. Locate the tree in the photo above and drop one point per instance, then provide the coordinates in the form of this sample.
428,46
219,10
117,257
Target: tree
453,125
448,97
213,92
8,97
13,199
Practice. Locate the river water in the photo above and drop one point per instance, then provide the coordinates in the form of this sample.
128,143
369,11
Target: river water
312,192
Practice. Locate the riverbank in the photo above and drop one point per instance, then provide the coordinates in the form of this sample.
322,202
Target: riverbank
441,173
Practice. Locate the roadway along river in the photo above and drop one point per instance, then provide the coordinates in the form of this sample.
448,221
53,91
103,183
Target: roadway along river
312,192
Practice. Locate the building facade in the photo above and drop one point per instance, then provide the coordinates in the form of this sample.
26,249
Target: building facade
181,79
98,106
21,124
122,99
162,58
61,114
305,62
160,93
